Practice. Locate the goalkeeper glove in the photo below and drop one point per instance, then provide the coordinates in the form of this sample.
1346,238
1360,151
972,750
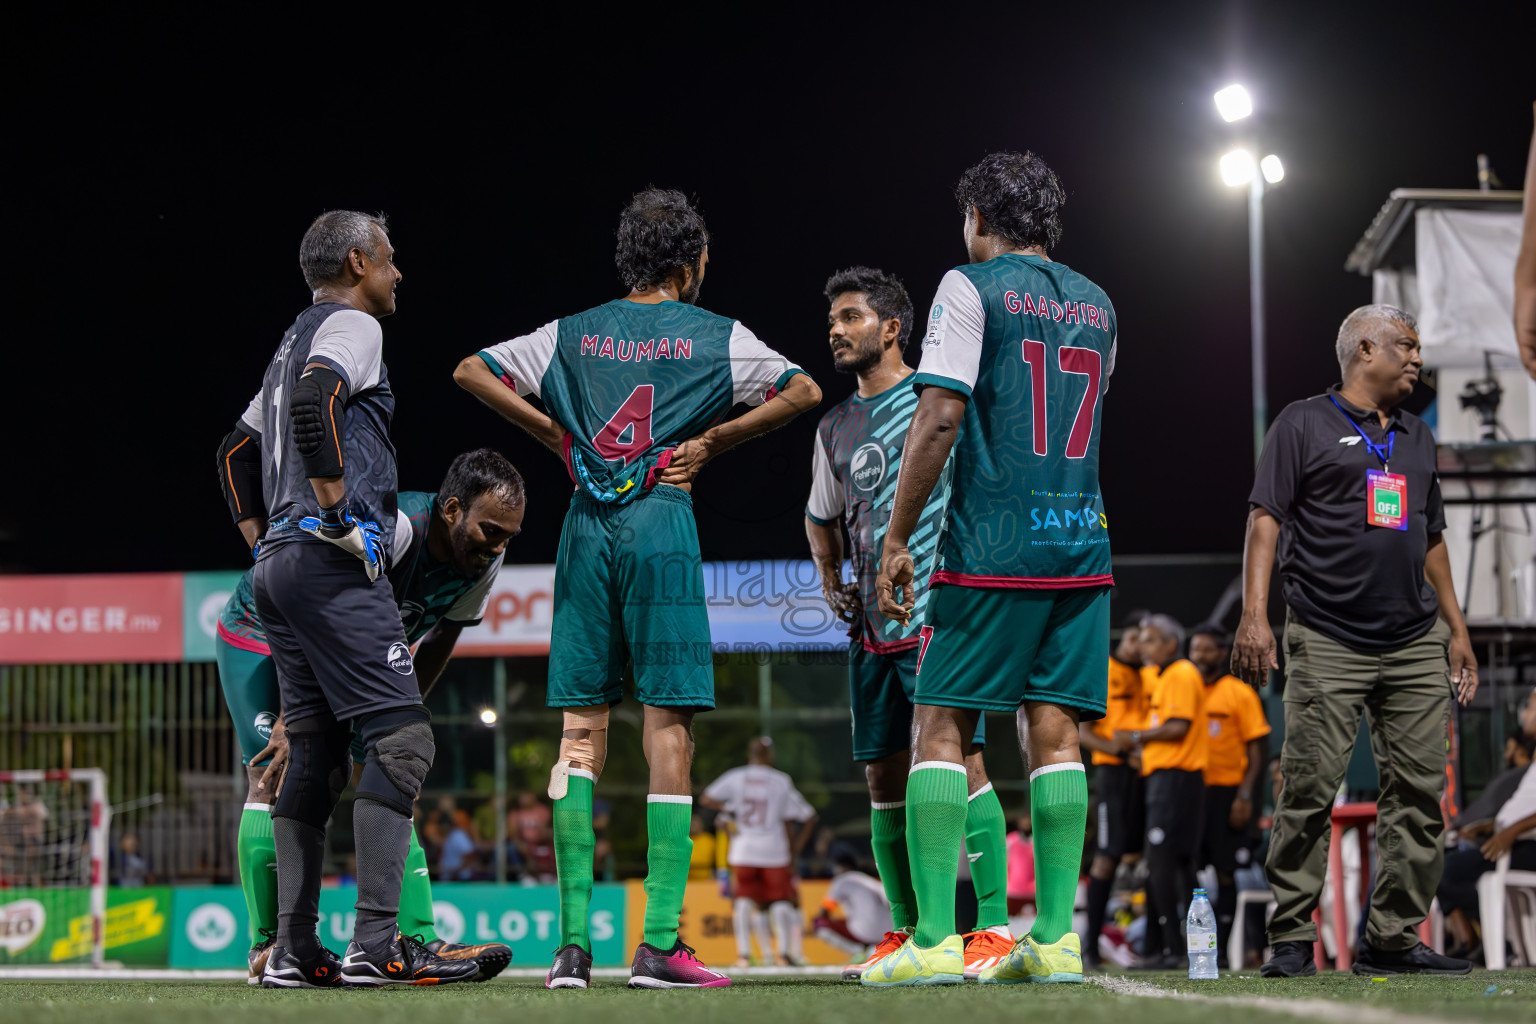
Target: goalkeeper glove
336,526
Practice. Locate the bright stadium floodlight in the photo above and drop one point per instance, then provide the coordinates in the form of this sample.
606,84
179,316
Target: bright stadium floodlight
488,716
1233,103
1272,168
1237,167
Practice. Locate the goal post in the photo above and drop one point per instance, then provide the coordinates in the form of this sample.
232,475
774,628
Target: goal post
53,866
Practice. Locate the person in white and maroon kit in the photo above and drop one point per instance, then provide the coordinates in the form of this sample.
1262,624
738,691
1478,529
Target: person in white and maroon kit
765,806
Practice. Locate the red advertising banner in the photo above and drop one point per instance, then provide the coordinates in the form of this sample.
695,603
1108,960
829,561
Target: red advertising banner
87,619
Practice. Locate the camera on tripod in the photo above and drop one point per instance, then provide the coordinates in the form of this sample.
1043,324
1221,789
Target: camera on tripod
1484,395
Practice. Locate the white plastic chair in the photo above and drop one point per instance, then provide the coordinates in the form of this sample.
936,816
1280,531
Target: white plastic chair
1236,950
1502,901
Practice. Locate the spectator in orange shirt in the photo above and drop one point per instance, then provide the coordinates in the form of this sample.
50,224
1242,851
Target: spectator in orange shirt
1120,802
1173,754
1237,749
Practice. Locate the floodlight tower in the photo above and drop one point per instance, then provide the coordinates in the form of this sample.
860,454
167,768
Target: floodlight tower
1239,168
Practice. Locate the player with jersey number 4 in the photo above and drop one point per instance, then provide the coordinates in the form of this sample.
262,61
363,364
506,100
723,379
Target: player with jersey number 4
1017,354
637,391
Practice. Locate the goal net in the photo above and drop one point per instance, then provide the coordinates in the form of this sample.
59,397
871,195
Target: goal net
53,866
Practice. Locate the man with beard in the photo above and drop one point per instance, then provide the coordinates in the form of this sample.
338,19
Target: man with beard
443,560
853,479
644,383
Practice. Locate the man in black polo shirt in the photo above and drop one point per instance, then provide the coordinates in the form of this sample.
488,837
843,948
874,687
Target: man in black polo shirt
1347,485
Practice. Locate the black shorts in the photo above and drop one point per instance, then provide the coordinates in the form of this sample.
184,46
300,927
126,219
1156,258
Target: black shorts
1225,848
336,639
1176,811
1120,810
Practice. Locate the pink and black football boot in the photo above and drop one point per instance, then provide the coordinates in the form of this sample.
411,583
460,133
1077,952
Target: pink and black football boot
677,967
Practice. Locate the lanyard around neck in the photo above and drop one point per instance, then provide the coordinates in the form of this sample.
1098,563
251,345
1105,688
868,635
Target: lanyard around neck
1382,450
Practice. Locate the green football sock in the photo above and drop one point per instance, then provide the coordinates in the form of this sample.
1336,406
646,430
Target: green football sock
888,839
935,830
986,846
574,843
1058,804
258,869
416,916
666,825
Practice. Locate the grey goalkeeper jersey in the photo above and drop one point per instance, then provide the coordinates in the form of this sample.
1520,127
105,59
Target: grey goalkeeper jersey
350,342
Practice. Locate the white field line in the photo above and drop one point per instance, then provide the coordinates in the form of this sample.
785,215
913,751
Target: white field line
1314,1009
86,973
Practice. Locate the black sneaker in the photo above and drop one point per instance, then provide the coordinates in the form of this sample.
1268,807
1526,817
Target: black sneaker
1290,960
256,959
405,960
1417,959
572,968
491,957
285,970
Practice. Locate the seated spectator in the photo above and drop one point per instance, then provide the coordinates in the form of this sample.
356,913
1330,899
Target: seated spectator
1021,866
1512,831
461,851
131,868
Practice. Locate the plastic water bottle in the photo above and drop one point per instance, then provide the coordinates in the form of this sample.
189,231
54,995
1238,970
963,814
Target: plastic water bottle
1200,930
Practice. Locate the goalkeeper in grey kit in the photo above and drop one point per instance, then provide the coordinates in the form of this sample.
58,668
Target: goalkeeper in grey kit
311,477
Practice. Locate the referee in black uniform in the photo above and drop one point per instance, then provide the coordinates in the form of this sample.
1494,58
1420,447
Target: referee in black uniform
1347,487
313,453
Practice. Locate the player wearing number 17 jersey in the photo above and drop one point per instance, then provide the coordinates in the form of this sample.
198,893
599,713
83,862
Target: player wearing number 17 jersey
853,479
1017,353
636,392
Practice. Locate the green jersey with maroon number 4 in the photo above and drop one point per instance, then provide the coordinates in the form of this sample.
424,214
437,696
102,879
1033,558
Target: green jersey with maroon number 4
1031,344
631,381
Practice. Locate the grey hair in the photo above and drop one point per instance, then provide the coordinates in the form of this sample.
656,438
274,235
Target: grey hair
1357,323
332,237
1167,625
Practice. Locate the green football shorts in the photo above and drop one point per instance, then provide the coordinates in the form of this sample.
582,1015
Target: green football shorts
880,692
994,648
629,587
249,681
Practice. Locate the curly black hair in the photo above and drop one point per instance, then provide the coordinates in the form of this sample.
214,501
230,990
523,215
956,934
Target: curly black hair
884,292
1018,195
659,231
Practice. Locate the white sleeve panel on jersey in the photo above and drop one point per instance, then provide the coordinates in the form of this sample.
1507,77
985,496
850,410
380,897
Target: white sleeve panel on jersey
403,538
1114,349
471,606
726,788
352,342
826,502
252,417
796,807
957,322
526,358
756,369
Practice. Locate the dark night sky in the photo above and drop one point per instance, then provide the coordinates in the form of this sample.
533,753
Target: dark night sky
164,167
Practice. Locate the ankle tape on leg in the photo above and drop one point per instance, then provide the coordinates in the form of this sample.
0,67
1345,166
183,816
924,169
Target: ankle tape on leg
590,747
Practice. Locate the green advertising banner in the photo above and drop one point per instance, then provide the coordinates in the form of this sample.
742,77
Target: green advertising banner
210,925
52,926
202,598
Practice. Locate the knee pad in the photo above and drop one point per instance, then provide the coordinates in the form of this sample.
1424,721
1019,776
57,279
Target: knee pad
399,752
590,748
319,769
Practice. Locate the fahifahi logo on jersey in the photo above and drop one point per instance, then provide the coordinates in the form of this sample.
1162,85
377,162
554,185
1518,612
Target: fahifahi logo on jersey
868,466
399,658
264,723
